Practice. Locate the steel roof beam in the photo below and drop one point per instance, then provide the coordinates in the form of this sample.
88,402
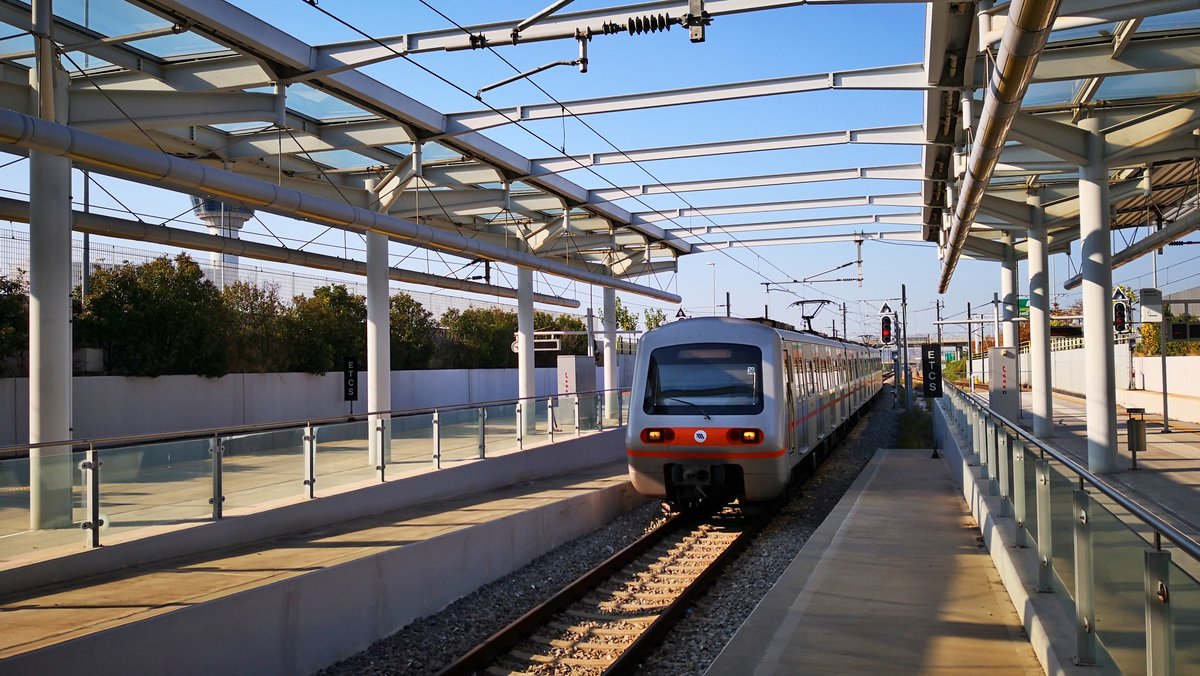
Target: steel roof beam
813,239
897,172
1083,13
878,219
1143,56
892,200
911,134
120,228
286,56
153,168
908,77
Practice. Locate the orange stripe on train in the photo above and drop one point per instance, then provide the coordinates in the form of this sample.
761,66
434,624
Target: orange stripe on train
697,455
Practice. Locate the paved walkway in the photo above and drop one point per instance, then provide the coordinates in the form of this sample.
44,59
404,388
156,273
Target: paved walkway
896,580
1168,475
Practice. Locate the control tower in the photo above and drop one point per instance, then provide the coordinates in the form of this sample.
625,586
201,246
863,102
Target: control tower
225,220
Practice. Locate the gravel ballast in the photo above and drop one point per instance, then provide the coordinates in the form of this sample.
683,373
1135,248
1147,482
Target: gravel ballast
432,642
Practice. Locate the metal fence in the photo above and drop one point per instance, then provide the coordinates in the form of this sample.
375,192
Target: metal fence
1130,575
112,486
14,261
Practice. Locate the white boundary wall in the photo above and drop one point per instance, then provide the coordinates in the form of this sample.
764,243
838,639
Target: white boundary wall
106,406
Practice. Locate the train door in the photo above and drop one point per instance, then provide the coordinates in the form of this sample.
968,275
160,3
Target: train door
811,403
789,387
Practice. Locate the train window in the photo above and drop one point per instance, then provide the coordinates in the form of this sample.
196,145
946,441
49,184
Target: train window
706,379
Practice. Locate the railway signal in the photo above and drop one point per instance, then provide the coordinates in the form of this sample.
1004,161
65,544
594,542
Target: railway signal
885,330
1120,317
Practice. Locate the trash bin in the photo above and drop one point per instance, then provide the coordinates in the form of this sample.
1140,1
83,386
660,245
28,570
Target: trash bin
1135,430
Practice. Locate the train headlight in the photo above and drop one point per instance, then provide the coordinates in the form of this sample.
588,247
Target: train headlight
745,436
657,436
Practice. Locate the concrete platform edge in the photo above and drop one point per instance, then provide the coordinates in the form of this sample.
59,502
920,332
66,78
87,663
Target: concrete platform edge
746,646
1048,619
304,623
470,477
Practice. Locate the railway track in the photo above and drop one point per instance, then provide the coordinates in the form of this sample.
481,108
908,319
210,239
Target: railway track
608,620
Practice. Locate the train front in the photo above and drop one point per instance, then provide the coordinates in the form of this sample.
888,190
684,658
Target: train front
706,421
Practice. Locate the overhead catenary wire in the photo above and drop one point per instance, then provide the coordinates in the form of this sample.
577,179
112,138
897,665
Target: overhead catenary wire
510,119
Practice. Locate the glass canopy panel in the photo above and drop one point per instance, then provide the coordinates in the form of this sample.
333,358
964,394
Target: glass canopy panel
1051,93
109,17
234,127
340,159
178,45
321,106
1104,30
1148,85
1150,24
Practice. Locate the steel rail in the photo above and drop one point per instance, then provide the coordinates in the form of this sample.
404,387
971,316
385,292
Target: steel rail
499,643
103,443
1182,540
643,645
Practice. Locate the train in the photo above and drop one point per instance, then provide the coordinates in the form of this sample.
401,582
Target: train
724,409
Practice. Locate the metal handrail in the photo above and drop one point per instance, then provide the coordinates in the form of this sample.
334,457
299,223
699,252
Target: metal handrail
101,443
1170,532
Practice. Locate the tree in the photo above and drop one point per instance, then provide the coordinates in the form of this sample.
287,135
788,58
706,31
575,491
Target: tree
161,317
413,333
480,338
256,328
14,323
544,321
654,318
626,320
325,328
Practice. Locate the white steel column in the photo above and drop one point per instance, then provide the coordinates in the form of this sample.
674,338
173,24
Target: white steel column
526,382
1008,293
49,297
1039,322
610,352
379,349
1099,367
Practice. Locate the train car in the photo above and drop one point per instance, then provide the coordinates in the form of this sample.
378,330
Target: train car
725,409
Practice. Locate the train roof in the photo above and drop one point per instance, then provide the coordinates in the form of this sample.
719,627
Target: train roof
783,329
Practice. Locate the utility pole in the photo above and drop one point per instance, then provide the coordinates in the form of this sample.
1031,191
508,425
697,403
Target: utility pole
1162,334
970,350
845,333
938,305
996,320
904,330
727,310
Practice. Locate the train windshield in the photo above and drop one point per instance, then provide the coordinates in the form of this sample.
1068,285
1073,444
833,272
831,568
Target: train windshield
704,379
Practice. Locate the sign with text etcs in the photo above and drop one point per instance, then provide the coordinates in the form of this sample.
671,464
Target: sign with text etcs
350,378
931,369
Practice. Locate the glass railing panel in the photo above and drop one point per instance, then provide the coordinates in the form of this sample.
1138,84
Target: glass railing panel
564,415
263,466
1118,571
342,456
1184,596
154,484
501,430
1031,513
14,498
1062,486
539,426
625,395
412,443
460,434
587,412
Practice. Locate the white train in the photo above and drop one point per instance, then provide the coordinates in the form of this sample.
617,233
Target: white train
726,408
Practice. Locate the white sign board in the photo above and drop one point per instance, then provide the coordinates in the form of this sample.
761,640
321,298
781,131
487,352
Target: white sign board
1004,388
1152,306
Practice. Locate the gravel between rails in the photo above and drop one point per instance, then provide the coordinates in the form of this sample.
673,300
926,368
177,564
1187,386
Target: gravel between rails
432,642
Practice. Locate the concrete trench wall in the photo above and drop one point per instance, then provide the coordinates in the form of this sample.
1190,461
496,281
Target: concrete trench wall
301,624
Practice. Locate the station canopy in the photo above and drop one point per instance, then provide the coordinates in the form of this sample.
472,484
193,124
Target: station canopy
207,81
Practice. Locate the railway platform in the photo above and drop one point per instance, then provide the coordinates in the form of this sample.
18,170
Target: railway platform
299,602
895,580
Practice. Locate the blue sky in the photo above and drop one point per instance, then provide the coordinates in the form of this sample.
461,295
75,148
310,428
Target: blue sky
796,41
